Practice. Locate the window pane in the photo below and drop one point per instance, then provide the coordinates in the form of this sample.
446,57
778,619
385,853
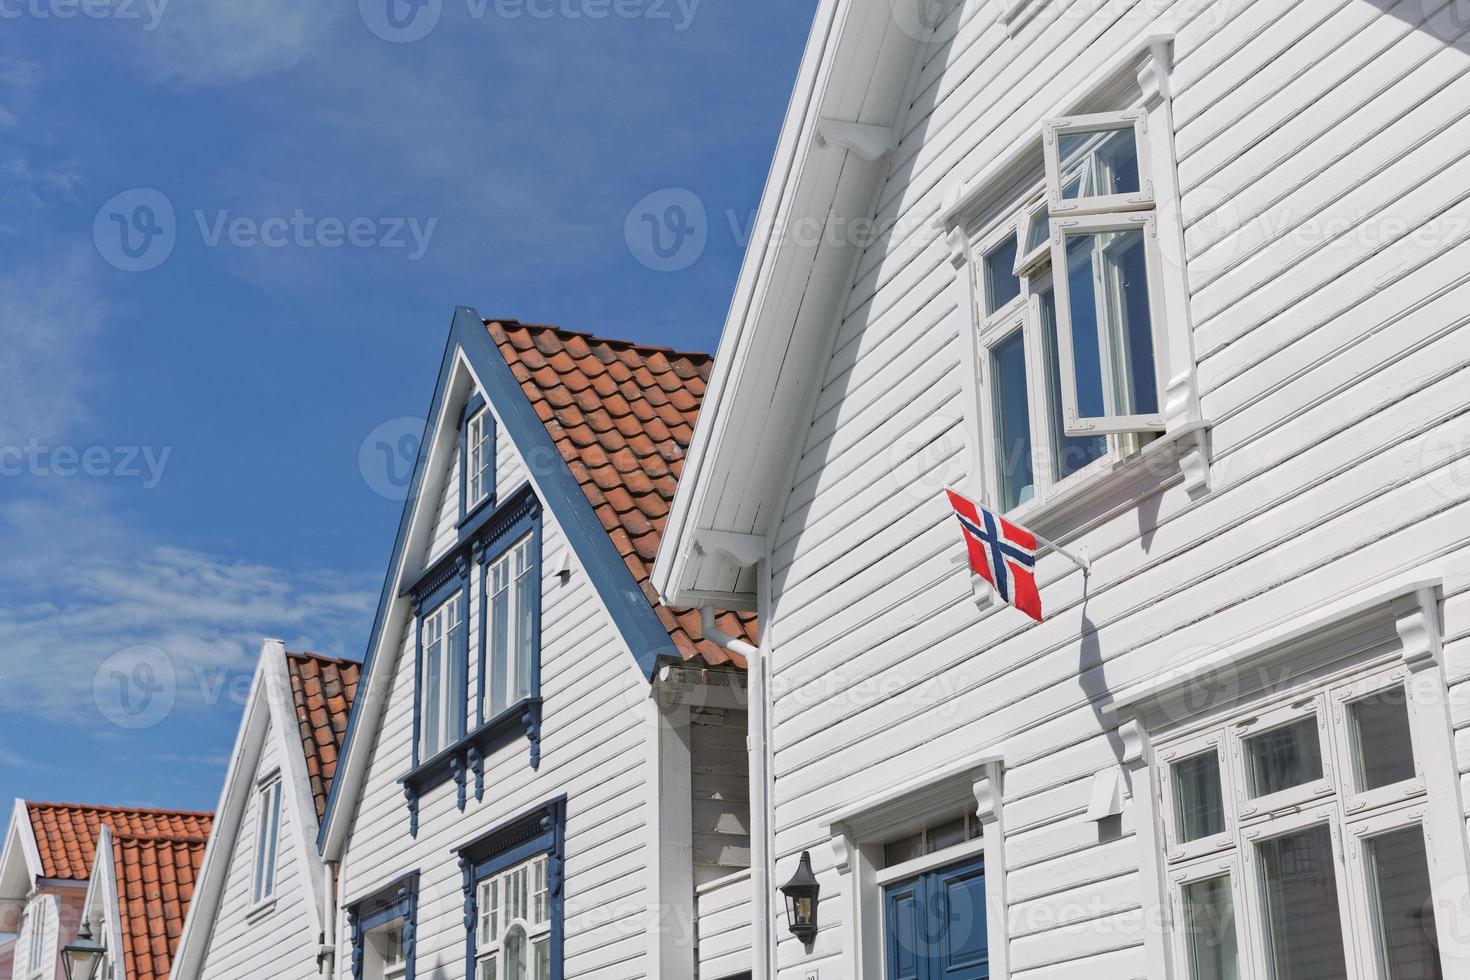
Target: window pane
1112,330
1199,803
524,596
515,955
433,689
1384,751
1012,422
1403,909
1209,930
499,639
1286,757
1303,929
1001,284
1108,157
543,960
1037,229
487,968
946,835
904,849
1069,453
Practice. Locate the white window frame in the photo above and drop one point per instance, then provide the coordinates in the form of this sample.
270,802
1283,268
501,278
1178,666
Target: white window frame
1241,731
267,840
377,942
509,574
36,951
439,638
1024,313
859,832
479,459
1182,751
1081,226
1052,132
1309,654
1186,874
1184,446
497,915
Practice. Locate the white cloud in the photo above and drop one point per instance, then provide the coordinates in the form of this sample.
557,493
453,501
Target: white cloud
207,42
75,599
51,314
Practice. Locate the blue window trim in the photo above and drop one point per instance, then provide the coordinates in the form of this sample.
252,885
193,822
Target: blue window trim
471,409
487,537
647,638
397,901
536,832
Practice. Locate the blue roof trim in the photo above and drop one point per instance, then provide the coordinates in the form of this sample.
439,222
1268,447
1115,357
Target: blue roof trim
631,612
634,617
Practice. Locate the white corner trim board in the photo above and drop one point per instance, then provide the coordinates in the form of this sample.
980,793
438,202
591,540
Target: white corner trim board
858,831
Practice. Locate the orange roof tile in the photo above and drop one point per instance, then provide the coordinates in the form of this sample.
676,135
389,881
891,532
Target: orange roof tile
66,833
323,689
622,416
155,883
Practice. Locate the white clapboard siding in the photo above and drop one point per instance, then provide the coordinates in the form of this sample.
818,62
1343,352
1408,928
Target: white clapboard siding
594,751
1313,136
723,916
270,943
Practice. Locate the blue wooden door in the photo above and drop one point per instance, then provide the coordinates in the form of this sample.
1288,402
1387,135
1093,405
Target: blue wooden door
935,925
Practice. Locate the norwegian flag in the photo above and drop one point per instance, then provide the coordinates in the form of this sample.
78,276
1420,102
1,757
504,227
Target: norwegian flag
1001,553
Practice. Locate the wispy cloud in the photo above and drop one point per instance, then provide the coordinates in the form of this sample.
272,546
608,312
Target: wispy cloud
206,42
76,601
51,312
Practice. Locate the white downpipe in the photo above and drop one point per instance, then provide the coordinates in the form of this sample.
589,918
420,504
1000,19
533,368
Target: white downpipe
327,955
760,851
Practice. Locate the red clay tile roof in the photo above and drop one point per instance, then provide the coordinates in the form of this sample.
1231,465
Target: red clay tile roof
66,833
155,883
323,689
622,415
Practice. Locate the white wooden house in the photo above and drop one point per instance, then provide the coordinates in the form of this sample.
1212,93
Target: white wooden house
258,907
127,873
544,772
1234,747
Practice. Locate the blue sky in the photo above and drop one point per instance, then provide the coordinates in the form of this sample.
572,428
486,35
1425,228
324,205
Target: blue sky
231,239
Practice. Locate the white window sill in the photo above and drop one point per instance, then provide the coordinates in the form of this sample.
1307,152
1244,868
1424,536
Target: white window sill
1109,485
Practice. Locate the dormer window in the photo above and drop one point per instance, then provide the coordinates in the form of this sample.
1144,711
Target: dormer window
479,459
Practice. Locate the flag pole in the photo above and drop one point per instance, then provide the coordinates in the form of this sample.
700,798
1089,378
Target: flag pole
1081,561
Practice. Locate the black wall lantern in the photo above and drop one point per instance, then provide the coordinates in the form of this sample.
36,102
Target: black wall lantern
801,901
81,958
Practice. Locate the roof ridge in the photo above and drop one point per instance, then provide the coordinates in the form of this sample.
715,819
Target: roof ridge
587,335
113,808
322,658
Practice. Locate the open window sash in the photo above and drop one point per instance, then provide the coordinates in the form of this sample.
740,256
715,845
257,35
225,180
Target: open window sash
1033,239
1098,163
1106,271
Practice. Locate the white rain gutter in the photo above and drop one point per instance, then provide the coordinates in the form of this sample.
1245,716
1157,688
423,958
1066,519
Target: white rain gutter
760,851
